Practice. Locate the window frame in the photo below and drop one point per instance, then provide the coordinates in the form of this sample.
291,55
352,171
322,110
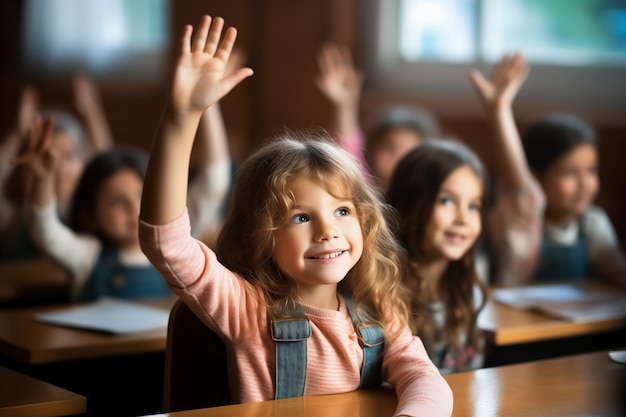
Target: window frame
597,93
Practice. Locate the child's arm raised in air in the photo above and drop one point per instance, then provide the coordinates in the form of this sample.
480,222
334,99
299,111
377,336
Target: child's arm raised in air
198,83
515,224
88,102
341,83
497,96
45,227
211,161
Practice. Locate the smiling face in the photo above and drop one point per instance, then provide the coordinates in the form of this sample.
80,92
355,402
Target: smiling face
320,239
455,223
571,183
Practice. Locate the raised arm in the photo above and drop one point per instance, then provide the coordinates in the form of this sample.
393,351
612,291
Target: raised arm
497,95
198,83
40,161
88,102
10,145
341,84
211,165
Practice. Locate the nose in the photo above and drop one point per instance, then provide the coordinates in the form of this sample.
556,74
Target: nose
461,215
326,230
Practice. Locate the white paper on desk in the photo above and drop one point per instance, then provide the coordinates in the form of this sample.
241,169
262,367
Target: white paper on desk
109,315
566,301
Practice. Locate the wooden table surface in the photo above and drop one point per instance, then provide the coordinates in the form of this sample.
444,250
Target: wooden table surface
26,340
22,395
505,325
32,281
574,386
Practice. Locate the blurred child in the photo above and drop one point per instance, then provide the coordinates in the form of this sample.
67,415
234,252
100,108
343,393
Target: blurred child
303,227
101,249
396,130
545,226
438,191
74,146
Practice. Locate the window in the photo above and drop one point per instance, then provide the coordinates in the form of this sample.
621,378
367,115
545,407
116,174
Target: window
577,50
126,38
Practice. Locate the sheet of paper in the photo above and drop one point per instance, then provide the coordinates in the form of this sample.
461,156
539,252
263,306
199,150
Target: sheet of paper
526,297
109,315
565,301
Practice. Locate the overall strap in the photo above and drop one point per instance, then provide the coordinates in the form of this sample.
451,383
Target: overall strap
290,335
372,339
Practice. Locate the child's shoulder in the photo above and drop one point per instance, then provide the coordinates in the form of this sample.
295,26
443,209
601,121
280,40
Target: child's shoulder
595,221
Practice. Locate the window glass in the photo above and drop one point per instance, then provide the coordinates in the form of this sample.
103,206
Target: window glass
98,36
561,32
581,32
435,30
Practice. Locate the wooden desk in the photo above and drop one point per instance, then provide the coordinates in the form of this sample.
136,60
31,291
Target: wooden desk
506,325
25,340
32,281
22,395
574,386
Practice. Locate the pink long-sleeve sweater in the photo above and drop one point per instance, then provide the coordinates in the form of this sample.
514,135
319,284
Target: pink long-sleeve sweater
234,308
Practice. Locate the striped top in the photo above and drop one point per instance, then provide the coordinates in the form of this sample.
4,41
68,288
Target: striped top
234,308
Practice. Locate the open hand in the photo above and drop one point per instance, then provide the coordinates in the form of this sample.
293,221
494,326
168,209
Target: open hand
338,79
507,78
199,78
39,158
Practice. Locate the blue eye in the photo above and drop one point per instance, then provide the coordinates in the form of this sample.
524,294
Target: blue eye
475,207
340,212
445,201
299,218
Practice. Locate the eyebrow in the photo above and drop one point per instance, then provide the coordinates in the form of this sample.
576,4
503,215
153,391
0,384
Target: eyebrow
339,202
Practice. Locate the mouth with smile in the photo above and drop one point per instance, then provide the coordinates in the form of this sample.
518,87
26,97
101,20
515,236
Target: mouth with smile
455,238
328,255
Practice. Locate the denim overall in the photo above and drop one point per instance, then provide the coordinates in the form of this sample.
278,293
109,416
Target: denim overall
291,334
561,262
112,278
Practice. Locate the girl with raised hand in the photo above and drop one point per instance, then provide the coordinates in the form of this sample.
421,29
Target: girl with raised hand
396,129
305,265
101,248
545,226
438,190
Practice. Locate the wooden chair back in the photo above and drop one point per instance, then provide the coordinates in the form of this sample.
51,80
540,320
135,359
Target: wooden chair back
196,370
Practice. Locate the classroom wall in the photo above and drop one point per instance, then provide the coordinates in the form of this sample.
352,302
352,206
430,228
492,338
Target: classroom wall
280,38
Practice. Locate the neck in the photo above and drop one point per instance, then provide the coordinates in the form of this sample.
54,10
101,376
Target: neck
320,296
431,273
559,218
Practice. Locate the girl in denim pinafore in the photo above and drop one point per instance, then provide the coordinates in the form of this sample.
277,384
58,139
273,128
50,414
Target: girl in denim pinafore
100,245
545,226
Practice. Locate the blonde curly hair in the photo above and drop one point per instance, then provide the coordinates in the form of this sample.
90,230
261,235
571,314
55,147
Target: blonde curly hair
261,199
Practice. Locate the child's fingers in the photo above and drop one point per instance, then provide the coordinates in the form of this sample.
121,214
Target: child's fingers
226,46
34,133
199,39
45,142
215,34
229,82
346,57
185,46
478,81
